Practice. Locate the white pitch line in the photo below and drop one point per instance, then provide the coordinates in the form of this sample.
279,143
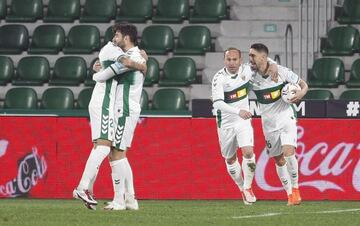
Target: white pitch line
260,215
337,211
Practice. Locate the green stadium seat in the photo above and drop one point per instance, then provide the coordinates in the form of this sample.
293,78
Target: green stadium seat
350,95
96,11
88,80
157,39
47,39
193,40
178,71
57,98
350,12
208,11
152,72
169,100
25,11
6,70
14,38
21,98
318,94
144,100
131,12
84,98
3,9
354,81
341,41
326,72
82,39
171,11
69,71
32,71
108,35
65,11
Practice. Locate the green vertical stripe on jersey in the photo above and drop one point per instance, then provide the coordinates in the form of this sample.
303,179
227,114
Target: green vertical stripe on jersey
265,96
293,108
106,63
105,119
127,77
218,115
127,80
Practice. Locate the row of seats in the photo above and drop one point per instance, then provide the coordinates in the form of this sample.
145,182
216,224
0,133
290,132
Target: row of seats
85,39
63,99
341,41
169,11
320,94
72,70
348,13
330,72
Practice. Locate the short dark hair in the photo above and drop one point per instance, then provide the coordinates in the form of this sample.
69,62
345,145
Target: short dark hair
126,29
260,48
232,48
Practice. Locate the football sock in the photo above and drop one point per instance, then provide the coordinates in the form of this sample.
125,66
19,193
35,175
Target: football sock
92,165
129,182
249,172
234,171
284,176
293,168
118,179
92,182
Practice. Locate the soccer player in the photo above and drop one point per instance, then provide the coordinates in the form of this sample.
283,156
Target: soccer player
101,111
278,118
230,87
127,112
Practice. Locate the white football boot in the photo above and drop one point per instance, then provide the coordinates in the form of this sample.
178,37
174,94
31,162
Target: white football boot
85,196
248,196
131,203
114,206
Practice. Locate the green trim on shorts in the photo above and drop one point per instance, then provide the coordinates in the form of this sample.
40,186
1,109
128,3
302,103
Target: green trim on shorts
119,132
105,119
219,120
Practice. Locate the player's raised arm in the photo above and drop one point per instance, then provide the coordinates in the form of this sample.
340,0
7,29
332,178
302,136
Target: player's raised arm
132,64
299,94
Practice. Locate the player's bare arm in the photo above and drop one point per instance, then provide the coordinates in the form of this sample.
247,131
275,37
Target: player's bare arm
299,94
97,66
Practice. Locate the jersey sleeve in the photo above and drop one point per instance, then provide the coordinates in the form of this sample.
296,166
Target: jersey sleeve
288,75
217,90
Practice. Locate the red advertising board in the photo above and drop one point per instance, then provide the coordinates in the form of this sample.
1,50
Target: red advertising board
173,158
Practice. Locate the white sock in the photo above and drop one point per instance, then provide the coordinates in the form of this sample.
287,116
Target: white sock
284,176
293,168
129,181
234,171
92,182
248,172
118,179
92,165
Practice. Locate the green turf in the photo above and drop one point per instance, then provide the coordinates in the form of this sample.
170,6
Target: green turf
72,212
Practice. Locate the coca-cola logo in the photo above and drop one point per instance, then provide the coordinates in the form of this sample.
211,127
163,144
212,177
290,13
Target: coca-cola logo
31,168
334,162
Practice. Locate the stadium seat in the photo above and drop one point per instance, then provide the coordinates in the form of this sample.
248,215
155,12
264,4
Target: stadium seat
84,98
171,11
69,71
208,11
47,39
82,39
318,94
350,12
144,100
341,41
65,11
32,71
21,98
169,100
96,11
57,98
354,81
350,95
326,72
131,12
3,9
6,70
25,11
88,80
178,71
157,39
193,40
152,72
14,38
108,35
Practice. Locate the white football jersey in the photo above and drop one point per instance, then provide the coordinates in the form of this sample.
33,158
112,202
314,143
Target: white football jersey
233,90
273,109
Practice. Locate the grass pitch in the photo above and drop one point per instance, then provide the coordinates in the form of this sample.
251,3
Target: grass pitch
40,212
